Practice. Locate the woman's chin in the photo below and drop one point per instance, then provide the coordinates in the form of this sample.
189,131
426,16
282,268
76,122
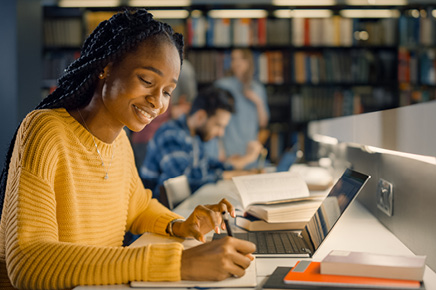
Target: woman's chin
137,128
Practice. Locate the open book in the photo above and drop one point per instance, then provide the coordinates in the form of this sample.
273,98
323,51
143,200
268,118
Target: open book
276,197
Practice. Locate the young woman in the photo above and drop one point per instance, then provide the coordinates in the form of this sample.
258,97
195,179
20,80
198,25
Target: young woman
70,188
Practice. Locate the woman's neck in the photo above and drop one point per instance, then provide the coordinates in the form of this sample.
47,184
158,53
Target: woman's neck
95,124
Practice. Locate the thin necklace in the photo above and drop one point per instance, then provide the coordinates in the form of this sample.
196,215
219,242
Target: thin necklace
98,151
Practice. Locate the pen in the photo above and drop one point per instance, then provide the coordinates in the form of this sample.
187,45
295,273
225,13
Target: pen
225,215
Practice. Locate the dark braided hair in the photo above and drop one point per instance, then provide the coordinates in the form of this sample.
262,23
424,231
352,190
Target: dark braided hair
109,42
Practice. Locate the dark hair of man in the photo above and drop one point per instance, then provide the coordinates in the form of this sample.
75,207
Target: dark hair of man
109,42
211,99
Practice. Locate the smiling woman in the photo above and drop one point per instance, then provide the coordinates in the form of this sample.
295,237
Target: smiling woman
70,189
133,91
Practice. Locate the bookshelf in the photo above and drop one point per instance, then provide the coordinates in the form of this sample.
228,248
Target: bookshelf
63,35
417,57
313,68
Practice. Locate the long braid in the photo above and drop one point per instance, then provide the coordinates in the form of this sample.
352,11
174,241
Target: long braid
109,42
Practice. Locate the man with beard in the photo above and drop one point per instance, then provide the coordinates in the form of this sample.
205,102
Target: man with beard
177,148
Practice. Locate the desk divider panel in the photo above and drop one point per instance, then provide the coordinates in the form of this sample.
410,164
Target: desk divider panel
414,186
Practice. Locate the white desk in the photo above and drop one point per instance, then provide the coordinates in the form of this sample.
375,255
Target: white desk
356,230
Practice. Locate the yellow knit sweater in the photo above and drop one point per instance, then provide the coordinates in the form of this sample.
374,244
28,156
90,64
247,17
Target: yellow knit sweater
63,224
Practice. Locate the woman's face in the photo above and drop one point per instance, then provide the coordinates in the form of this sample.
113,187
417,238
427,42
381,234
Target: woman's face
138,88
239,64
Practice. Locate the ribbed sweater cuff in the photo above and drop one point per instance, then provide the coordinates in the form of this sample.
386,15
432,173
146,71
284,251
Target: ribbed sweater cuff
162,222
164,262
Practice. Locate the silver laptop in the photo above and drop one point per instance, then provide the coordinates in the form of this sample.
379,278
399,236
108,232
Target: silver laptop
275,244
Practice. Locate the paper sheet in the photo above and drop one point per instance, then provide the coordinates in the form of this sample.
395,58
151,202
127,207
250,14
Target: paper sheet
248,280
267,187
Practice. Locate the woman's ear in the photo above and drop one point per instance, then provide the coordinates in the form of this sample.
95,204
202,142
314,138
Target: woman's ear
106,71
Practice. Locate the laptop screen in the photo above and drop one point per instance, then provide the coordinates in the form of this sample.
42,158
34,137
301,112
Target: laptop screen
336,202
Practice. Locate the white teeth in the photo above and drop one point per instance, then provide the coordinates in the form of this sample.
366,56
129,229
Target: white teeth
147,115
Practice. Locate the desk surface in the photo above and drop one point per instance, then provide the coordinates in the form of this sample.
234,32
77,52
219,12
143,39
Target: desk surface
356,230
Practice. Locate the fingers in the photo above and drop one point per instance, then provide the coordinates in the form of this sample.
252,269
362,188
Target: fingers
239,258
244,247
208,217
216,260
199,237
225,205
239,270
202,220
250,256
214,217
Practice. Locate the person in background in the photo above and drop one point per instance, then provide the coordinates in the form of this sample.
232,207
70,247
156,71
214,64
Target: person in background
251,108
177,148
70,188
180,103
185,92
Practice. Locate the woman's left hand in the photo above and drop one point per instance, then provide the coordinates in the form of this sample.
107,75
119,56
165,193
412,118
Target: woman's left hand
203,219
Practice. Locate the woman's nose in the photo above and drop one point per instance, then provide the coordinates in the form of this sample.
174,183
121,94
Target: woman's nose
155,99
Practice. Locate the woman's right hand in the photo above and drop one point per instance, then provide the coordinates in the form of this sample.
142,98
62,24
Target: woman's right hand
217,260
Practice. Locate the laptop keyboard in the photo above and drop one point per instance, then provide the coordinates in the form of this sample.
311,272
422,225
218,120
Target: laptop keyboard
283,242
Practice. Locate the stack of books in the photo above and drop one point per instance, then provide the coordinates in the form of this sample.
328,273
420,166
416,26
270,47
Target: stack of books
352,270
275,201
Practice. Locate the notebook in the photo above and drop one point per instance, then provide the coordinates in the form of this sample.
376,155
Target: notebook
249,280
307,273
275,244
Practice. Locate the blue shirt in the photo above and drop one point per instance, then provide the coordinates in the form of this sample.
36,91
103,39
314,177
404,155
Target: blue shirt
244,124
173,152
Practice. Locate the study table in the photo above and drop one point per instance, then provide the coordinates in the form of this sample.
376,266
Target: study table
356,230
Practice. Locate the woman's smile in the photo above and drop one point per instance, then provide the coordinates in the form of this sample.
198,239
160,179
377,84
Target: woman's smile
144,115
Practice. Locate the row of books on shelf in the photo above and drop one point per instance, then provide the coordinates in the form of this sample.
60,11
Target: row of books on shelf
71,31
217,32
412,95
339,31
63,32
332,31
55,62
323,67
417,31
335,66
417,67
272,67
314,103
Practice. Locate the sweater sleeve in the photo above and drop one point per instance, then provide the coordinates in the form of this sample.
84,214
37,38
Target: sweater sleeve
36,256
146,214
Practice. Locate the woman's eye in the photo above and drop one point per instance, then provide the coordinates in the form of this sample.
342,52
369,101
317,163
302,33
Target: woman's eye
144,81
167,93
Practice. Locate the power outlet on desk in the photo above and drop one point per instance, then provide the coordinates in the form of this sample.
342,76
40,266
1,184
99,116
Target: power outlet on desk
385,196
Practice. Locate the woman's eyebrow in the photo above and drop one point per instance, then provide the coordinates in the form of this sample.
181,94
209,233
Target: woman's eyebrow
153,69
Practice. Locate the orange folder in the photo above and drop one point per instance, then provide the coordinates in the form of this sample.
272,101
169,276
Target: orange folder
308,273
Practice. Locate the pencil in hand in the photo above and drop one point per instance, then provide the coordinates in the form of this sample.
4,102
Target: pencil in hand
225,216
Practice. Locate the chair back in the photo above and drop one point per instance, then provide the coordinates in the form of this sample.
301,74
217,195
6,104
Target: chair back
176,189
